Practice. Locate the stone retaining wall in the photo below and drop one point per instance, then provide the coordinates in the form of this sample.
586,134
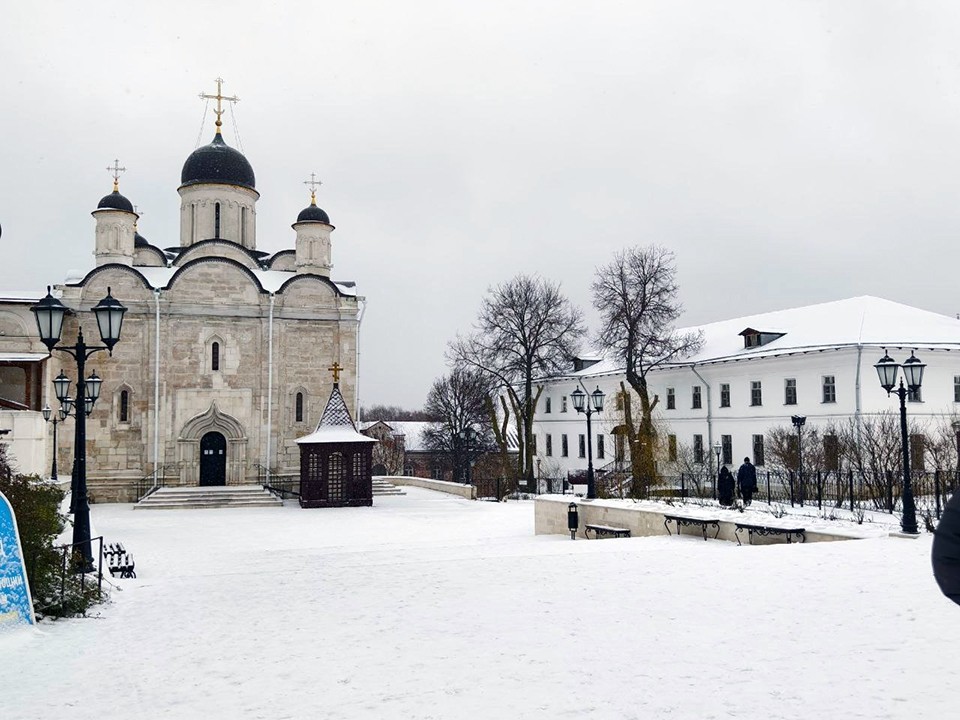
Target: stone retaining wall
550,518
465,491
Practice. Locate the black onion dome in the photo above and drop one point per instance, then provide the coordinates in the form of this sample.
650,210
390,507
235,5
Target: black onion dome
313,214
139,240
115,201
218,163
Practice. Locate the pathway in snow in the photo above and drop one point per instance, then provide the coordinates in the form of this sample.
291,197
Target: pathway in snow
428,606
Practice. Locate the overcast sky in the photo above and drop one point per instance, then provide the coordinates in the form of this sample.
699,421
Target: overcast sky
787,152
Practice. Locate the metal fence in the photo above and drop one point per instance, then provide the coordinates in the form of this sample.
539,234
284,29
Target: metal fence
850,490
71,582
817,490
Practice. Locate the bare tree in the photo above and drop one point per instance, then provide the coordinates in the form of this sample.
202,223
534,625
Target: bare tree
636,295
461,430
392,412
526,330
389,454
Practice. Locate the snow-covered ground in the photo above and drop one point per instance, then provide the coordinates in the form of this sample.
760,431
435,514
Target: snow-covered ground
429,606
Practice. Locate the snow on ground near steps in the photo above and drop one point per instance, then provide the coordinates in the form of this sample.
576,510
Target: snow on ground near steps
430,606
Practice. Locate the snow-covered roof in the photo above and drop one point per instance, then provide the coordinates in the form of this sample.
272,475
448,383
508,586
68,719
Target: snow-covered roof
22,356
18,296
334,435
864,321
412,432
271,280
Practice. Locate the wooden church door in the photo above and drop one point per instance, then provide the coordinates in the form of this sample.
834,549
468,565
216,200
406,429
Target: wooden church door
213,459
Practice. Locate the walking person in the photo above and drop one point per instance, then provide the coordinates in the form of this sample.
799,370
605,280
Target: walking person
725,487
747,480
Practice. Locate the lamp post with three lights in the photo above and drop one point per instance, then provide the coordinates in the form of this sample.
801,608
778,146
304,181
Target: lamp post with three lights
61,415
49,313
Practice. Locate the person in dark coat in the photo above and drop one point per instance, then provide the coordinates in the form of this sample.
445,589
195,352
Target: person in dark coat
725,486
946,550
747,480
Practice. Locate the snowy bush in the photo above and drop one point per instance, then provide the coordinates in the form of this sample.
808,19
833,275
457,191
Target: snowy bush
37,507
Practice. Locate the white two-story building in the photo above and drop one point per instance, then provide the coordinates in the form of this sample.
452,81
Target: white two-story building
754,373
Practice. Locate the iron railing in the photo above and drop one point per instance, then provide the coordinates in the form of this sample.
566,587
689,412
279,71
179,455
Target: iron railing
822,490
146,485
283,486
70,562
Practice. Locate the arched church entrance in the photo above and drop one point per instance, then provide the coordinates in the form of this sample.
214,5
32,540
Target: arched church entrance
213,459
212,450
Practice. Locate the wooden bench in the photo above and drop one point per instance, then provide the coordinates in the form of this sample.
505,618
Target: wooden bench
787,532
119,561
600,531
702,523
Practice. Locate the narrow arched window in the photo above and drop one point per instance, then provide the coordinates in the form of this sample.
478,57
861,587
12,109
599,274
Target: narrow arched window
215,356
298,413
216,220
124,406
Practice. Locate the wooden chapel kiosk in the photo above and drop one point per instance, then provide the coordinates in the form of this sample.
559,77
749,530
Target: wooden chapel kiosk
335,460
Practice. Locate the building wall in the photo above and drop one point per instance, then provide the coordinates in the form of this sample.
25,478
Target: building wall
857,391
211,301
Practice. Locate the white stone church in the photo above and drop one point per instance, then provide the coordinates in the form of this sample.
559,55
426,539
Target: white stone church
222,363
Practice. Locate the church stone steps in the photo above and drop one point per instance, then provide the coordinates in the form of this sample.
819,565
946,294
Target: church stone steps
383,487
209,497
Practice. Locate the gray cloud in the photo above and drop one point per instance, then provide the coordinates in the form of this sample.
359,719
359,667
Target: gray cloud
788,152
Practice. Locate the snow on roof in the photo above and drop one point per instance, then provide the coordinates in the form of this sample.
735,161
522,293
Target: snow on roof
335,434
22,357
864,320
271,280
411,430
16,296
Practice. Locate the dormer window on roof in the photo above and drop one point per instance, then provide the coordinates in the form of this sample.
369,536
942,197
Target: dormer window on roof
756,338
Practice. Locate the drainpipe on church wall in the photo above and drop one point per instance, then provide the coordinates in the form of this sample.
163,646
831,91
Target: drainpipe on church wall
266,461
156,387
356,374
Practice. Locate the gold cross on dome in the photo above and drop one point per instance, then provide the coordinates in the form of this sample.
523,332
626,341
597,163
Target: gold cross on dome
336,370
314,184
115,171
219,97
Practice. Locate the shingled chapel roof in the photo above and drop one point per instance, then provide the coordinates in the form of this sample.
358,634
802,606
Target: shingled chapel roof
336,425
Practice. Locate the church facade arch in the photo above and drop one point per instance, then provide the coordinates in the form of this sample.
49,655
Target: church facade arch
219,248
189,440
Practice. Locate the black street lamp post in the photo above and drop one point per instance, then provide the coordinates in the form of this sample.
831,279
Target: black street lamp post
57,419
956,437
798,422
49,313
468,434
717,448
595,405
913,369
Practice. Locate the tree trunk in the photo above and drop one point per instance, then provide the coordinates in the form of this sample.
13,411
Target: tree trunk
642,449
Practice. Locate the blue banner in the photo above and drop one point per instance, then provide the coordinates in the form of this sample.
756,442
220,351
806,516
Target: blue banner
16,607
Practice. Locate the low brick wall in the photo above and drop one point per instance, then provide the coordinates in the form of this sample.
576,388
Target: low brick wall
550,518
465,491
